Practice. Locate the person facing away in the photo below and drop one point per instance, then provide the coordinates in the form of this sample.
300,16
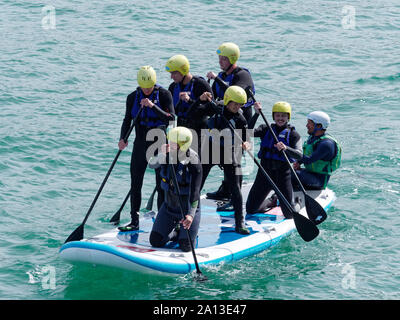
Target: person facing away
230,148
230,74
186,89
321,153
153,106
188,171
273,160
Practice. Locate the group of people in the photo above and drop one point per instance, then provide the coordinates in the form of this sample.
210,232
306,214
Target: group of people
226,107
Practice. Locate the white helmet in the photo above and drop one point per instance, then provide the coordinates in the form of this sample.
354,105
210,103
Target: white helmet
320,117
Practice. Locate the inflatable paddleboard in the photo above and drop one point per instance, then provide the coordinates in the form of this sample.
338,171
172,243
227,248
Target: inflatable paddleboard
217,240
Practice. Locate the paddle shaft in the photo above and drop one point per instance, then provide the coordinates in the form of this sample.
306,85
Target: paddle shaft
175,182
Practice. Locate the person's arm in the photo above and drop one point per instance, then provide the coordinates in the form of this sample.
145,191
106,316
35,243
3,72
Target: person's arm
324,150
167,112
295,149
196,172
126,123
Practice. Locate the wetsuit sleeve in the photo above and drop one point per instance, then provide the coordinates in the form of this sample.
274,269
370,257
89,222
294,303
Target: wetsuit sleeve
260,131
325,150
126,123
167,113
253,121
156,161
221,83
295,148
196,172
200,86
242,79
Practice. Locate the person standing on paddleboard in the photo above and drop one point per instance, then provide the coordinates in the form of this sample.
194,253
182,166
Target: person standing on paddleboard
185,90
231,74
321,153
272,158
156,109
188,171
229,152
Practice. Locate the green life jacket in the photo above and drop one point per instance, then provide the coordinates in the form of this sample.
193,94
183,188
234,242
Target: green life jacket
322,166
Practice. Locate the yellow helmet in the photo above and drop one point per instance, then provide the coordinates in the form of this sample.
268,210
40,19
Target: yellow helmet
181,136
178,63
146,77
282,106
236,94
229,50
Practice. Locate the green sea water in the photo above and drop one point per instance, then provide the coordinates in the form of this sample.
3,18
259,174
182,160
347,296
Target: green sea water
66,68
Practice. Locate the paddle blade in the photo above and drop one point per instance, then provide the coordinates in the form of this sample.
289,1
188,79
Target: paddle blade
315,212
200,277
77,235
116,217
307,230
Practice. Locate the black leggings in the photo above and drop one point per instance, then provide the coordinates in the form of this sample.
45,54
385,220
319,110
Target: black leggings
233,177
138,169
257,198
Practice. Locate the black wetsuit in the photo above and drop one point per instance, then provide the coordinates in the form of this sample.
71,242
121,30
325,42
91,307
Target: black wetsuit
170,214
165,113
241,78
231,164
187,113
276,167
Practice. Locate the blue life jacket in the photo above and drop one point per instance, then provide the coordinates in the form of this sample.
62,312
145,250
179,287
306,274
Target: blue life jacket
267,149
228,79
148,117
182,107
182,176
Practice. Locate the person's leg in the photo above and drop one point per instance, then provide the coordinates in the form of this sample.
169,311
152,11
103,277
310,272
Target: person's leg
257,201
162,227
233,178
183,240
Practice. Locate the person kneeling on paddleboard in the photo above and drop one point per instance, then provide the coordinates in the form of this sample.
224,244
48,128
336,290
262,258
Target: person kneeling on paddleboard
321,153
273,160
169,223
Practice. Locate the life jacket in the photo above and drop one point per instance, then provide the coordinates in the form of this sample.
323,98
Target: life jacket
228,79
322,166
182,176
182,107
148,117
267,149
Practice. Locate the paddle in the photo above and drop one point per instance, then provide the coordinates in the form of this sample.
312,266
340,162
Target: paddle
77,234
200,275
305,227
315,211
116,217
